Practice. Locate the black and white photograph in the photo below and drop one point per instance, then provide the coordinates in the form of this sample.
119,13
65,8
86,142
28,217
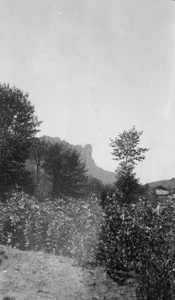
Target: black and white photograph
87,149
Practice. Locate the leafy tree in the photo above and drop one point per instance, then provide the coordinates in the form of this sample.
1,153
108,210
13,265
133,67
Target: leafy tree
67,171
38,154
93,186
36,166
126,150
127,184
18,126
107,194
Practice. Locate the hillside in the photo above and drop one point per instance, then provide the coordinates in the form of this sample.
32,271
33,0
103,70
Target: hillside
86,153
168,183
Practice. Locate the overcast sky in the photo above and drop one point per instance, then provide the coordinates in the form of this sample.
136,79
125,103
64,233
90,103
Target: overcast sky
95,68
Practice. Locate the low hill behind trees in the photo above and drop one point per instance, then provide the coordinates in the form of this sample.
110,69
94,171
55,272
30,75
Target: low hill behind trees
167,183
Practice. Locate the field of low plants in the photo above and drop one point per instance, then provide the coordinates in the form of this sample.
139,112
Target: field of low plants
131,241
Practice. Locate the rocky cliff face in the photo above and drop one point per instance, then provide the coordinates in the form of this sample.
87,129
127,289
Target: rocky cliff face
86,153
93,169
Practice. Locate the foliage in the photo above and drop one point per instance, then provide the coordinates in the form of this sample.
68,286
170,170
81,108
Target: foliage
38,153
132,240
70,228
67,171
139,240
126,150
125,147
127,185
108,191
18,126
36,164
93,186
59,171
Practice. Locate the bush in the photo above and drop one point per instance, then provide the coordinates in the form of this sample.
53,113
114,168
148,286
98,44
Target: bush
139,240
68,227
130,240
15,218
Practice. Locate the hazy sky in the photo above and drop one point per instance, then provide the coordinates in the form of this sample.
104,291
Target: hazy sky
95,68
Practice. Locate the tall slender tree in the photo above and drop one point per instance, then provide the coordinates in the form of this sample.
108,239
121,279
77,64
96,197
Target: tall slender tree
37,155
126,150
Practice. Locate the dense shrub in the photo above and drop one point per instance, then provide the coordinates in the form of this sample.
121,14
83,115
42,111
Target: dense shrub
139,240
68,227
130,240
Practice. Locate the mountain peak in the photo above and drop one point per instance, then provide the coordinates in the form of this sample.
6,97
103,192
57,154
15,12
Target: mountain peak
93,169
86,154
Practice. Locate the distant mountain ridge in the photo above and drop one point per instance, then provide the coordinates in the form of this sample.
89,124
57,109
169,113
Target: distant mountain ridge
86,153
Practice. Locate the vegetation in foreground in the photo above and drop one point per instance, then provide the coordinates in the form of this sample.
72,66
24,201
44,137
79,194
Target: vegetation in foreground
60,215
132,241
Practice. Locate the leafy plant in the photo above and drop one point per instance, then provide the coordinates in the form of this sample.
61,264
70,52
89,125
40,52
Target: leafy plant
132,240
69,228
139,240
